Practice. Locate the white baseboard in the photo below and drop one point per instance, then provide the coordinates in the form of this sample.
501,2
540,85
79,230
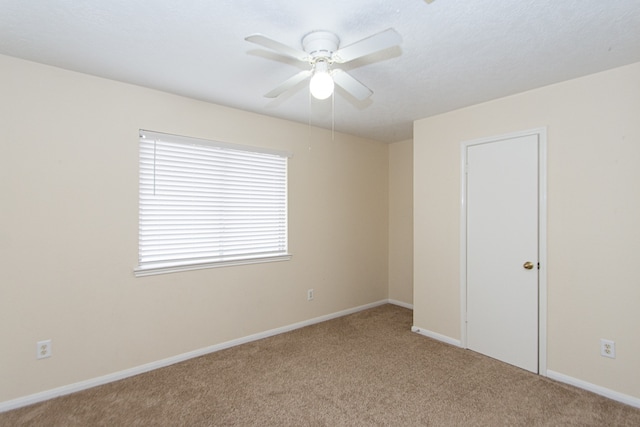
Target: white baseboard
436,336
602,391
83,385
93,382
401,304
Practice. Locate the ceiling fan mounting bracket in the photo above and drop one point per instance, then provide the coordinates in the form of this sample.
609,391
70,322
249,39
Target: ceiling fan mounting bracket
320,45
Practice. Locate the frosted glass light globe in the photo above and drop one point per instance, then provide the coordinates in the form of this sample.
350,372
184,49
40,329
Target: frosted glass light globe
321,85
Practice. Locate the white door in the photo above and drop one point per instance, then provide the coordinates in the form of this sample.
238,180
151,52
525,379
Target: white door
502,250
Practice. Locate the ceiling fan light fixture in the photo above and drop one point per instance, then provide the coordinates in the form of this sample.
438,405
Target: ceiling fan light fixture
321,84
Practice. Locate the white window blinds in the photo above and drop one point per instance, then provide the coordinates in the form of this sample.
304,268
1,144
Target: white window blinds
206,204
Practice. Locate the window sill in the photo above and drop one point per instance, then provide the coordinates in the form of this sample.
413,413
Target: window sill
152,271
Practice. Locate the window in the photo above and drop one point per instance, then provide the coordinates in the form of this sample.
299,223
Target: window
207,204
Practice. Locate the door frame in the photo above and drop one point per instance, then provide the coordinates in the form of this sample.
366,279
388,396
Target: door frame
541,133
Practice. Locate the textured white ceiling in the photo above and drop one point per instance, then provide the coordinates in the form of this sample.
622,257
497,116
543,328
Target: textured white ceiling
454,53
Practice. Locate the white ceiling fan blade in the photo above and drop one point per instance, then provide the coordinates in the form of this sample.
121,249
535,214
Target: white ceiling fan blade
289,83
375,43
347,82
274,45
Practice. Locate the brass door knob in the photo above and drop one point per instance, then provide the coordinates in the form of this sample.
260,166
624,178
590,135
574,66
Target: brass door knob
528,265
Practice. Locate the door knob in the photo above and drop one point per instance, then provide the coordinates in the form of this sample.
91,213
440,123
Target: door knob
528,265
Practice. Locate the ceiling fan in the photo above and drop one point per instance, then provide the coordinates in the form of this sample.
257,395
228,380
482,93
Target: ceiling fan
321,49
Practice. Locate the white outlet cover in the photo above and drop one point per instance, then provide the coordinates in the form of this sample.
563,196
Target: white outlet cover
43,349
608,348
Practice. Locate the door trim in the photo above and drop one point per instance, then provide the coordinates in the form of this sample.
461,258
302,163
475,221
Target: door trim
542,237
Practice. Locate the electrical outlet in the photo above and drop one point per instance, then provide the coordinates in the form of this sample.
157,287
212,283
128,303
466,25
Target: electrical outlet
608,348
43,349
310,295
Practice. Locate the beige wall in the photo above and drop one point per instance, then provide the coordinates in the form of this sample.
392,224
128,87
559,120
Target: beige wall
593,211
68,230
401,222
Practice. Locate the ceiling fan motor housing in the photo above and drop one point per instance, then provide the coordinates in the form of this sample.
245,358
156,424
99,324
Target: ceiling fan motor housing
320,45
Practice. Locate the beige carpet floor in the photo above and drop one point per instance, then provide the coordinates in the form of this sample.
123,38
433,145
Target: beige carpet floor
365,369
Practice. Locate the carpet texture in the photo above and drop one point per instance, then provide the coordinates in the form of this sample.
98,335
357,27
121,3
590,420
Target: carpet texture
365,369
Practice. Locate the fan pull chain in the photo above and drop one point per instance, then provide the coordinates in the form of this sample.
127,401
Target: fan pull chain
309,114
333,115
